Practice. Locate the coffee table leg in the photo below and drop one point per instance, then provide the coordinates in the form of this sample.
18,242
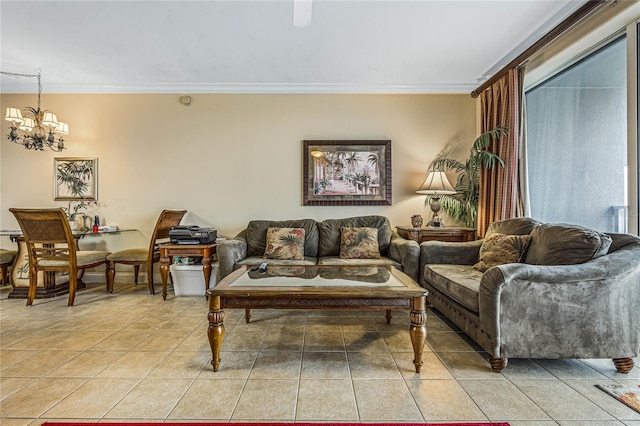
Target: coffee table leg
247,315
215,332
388,316
418,329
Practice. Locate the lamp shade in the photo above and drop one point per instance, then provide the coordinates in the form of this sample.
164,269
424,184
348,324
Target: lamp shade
63,128
14,116
50,119
436,183
28,124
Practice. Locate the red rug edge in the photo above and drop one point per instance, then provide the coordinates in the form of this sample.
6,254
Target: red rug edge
266,423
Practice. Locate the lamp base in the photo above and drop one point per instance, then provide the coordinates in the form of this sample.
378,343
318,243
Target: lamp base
435,221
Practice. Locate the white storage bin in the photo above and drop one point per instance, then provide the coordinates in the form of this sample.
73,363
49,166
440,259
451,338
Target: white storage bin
188,280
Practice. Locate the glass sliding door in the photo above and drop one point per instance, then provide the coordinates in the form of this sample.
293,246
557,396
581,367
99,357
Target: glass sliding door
577,143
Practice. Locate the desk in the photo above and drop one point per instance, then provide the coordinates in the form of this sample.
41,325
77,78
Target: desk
168,250
50,284
451,234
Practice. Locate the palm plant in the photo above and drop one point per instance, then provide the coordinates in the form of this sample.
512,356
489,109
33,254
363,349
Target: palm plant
463,205
373,160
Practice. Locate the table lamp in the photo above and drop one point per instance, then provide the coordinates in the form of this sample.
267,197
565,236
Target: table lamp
435,184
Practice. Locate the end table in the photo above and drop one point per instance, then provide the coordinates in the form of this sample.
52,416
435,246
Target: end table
168,250
450,234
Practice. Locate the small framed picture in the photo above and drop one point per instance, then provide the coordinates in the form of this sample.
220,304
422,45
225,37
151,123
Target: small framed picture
347,173
75,179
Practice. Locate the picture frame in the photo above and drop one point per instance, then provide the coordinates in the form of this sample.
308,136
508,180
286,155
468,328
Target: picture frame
75,178
346,172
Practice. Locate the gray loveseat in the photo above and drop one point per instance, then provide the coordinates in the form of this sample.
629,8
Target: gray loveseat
321,245
575,294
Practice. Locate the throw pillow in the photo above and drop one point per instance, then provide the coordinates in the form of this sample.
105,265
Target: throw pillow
285,243
359,243
499,249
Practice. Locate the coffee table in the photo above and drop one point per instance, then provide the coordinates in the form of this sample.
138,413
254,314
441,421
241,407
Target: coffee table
318,287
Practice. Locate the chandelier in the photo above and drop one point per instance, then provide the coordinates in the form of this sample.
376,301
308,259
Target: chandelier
34,128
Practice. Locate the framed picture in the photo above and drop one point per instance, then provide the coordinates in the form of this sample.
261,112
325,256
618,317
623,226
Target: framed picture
75,179
347,173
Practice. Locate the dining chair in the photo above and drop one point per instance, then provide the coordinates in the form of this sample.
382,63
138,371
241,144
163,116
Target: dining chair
51,246
6,260
144,256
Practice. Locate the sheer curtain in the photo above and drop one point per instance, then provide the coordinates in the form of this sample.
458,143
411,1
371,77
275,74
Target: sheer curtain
577,144
501,191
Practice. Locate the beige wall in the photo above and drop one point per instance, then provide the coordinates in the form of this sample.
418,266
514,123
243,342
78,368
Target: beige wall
227,159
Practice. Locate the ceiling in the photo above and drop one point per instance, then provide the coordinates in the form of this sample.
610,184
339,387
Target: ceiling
366,46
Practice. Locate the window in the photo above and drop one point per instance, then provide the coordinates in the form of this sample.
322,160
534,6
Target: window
577,143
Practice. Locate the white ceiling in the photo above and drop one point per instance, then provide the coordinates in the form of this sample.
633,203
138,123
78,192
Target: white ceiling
366,46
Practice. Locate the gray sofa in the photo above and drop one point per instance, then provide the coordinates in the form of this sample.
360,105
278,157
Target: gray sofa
321,245
574,294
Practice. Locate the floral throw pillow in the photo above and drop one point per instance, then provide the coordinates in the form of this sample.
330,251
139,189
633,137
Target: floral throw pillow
359,243
285,243
499,249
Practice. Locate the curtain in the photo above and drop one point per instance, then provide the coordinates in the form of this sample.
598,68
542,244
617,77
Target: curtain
502,189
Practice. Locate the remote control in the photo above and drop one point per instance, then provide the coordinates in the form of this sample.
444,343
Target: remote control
262,267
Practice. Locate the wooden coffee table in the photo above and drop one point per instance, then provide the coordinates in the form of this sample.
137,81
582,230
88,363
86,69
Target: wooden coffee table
318,287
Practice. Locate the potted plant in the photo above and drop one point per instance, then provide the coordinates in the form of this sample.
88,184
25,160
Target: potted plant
463,205
74,212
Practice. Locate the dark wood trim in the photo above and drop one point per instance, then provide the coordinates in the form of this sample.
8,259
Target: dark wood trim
420,235
575,18
44,292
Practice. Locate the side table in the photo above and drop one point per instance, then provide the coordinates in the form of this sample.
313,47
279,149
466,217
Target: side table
168,250
450,234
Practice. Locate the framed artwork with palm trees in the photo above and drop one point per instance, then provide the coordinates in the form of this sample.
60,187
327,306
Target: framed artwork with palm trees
75,178
346,173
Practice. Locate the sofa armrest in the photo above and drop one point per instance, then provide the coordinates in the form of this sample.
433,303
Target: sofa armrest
407,253
595,302
230,252
448,253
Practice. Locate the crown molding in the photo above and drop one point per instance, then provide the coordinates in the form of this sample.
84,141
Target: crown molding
242,88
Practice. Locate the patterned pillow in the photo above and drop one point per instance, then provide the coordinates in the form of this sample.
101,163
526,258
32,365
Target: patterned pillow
359,243
285,243
498,249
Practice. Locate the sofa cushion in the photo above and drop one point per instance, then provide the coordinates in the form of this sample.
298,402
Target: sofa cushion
563,244
257,235
498,249
459,282
359,243
514,226
285,243
330,232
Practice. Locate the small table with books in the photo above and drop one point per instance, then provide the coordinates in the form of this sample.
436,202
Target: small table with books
169,250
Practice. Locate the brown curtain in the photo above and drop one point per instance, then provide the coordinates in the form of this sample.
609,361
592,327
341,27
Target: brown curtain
501,196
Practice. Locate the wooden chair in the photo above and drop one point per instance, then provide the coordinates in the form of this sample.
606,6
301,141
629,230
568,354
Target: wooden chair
51,246
144,256
6,260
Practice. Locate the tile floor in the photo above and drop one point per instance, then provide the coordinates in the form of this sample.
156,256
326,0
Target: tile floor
130,356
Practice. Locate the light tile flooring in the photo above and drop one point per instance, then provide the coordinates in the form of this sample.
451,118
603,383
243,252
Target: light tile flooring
132,356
